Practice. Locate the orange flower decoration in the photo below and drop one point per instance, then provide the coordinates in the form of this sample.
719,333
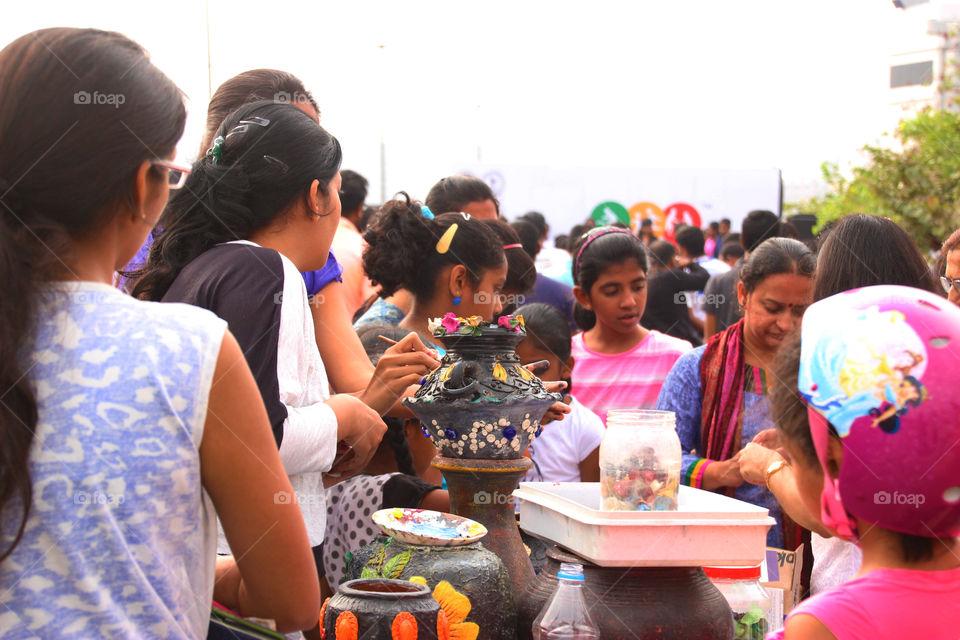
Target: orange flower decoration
404,627
443,626
456,606
323,610
347,627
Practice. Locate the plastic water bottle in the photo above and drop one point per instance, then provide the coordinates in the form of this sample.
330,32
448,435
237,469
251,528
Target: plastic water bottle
565,616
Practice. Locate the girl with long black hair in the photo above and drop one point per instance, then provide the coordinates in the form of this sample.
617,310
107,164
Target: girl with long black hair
125,426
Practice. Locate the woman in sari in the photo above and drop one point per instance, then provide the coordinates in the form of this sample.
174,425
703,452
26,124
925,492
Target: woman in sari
719,390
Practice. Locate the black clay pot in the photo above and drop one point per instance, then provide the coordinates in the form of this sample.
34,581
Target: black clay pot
480,402
381,609
641,603
471,569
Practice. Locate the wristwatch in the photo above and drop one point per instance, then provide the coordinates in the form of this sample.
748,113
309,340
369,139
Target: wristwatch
774,466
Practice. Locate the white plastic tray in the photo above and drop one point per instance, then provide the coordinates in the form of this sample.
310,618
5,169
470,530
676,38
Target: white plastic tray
707,528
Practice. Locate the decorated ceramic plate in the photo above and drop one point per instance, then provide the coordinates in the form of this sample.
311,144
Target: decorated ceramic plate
434,528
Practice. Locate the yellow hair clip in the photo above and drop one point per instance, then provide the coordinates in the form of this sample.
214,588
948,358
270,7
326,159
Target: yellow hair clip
443,244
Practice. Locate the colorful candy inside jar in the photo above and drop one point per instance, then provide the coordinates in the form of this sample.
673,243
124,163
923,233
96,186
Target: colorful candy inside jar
642,483
640,462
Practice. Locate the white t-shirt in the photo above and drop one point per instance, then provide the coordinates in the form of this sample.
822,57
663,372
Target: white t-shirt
555,263
310,430
562,446
835,561
262,296
695,298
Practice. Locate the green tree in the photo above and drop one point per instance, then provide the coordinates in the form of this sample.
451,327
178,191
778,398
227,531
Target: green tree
917,185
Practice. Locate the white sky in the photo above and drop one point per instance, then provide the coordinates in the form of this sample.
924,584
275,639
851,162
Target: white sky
671,83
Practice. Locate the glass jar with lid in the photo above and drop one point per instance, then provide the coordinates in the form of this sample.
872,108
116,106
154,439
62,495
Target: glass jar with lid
640,461
750,602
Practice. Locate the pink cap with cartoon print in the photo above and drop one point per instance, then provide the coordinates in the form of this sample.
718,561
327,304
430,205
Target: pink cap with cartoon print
881,364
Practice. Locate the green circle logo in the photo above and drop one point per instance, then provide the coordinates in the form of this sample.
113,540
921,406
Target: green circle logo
610,212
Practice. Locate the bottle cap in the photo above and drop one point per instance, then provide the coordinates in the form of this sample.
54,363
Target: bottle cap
570,571
642,418
733,573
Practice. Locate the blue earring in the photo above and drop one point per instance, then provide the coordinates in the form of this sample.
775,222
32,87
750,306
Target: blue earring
456,301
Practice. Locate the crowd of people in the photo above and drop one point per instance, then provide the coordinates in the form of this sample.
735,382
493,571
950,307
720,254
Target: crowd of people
197,403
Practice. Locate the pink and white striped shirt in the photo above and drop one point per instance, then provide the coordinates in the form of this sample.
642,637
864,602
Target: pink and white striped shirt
627,380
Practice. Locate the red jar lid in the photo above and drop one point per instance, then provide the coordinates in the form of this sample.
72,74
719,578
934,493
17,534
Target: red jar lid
733,573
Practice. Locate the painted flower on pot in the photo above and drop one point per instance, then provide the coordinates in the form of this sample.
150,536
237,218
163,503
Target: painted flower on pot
454,609
346,627
514,323
443,626
404,627
450,322
380,567
524,372
323,611
472,325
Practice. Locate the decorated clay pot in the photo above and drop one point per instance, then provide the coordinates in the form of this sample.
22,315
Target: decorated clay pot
639,603
480,591
378,608
481,402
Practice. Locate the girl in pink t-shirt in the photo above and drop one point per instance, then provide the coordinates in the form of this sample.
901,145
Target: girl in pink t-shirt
873,441
618,363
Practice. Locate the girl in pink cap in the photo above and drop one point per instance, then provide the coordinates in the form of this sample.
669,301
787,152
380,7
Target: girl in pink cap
868,413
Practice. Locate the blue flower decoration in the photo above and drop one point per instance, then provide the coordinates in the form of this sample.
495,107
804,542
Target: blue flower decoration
509,433
539,431
450,434
426,434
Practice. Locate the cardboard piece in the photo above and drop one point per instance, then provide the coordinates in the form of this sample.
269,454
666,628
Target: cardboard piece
782,571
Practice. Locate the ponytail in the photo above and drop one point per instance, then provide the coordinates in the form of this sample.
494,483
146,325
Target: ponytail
402,251
23,260
266,156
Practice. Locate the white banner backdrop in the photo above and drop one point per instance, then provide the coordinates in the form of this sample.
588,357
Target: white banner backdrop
568,196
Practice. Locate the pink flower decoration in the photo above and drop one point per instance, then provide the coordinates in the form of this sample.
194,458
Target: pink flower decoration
510,323
450,322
